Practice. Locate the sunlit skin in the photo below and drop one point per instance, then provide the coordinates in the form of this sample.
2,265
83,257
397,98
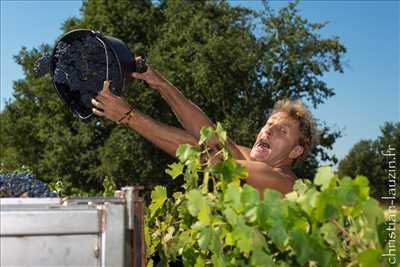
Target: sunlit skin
268,162
277,142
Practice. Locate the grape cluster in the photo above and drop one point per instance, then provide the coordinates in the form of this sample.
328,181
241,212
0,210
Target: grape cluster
81,69
23,185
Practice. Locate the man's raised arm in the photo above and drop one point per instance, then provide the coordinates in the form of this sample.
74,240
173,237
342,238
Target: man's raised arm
191,117
118,110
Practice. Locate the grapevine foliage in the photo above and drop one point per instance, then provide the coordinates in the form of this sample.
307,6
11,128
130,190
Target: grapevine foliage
217,222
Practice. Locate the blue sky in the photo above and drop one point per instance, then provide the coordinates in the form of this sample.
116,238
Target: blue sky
367,93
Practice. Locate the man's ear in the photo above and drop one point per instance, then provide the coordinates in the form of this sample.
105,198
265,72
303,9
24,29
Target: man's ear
296,152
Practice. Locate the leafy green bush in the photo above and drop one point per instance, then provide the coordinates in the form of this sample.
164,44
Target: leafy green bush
64,190
217,222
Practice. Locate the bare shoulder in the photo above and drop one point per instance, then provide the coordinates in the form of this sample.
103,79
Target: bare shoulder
287,177
262,176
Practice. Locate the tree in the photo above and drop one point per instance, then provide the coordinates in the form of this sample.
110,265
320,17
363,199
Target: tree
366,158
209,50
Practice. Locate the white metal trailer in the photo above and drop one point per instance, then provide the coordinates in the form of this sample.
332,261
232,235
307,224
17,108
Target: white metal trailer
90,231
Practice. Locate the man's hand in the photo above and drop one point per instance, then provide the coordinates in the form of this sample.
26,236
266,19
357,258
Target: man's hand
151,77
105,104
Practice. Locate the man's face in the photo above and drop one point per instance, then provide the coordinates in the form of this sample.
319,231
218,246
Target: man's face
278,141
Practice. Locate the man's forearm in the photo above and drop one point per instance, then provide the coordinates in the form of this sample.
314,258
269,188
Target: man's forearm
191,117
165,137
189,114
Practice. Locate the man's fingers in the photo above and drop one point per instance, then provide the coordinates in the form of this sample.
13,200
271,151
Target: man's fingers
100,98
98,112
141,65
106,86
97,104
138,75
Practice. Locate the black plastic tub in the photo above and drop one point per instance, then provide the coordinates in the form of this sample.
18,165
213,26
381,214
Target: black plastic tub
80,62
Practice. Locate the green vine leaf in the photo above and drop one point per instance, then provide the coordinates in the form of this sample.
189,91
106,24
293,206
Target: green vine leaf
205,134
232,197
324,177
198,206
370,257
175,169
158,197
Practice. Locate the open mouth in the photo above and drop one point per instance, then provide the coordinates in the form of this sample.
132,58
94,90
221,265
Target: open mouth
263,144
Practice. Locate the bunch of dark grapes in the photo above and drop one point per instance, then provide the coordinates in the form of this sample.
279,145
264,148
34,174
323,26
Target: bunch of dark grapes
81,65
23,185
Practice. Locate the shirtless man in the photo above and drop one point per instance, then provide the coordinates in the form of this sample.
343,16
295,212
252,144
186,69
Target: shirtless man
286,138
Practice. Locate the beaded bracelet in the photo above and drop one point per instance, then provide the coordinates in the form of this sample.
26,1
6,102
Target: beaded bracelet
126,114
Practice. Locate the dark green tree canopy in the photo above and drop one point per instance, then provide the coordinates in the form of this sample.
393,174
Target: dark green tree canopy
366,158
209,50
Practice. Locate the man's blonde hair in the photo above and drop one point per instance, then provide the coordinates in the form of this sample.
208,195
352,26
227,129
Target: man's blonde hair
308,132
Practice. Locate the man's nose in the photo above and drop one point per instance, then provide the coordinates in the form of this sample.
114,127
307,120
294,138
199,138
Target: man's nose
270,130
